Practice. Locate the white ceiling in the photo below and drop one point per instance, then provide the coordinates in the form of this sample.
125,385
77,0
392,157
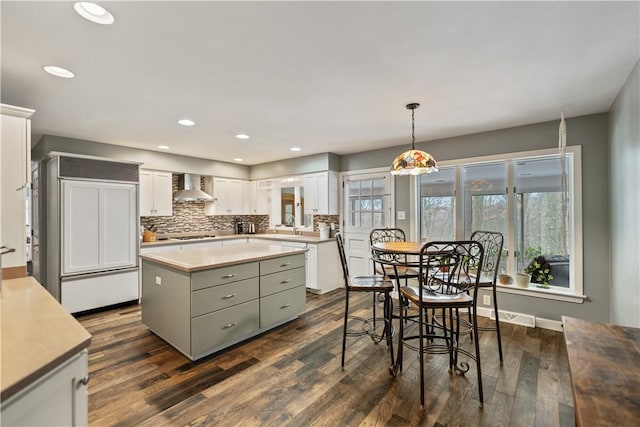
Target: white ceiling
324,76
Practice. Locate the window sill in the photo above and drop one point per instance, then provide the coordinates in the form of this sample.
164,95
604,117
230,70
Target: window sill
536,292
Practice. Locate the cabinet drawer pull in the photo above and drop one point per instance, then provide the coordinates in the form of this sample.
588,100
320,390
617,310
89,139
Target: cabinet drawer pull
229,276
229,296
286,264
286,305
285,281
84,381
230,325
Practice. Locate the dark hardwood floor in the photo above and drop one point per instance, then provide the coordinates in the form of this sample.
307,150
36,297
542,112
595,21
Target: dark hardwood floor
291,376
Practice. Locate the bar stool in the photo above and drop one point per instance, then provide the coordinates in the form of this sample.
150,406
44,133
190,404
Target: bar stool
492,242
376,284
446,285
395,266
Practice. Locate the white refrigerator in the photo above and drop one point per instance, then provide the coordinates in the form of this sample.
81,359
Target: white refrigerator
92,232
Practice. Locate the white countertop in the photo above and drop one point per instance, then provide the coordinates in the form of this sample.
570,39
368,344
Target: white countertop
303,238
38,334
190,260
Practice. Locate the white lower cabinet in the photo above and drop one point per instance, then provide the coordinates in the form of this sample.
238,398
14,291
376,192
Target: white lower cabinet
59,398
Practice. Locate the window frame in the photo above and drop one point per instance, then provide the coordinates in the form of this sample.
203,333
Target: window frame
575,293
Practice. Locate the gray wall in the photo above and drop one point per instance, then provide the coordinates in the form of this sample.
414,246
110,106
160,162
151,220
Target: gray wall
591,132
299,165
148,159
624,136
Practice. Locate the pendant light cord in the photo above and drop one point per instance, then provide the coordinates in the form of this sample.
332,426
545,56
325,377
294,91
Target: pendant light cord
413,129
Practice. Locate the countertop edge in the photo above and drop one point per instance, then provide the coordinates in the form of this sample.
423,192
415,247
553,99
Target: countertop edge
187,268
18,386
34,315
276,237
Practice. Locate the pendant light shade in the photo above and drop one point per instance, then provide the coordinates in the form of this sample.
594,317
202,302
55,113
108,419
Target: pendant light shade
413,162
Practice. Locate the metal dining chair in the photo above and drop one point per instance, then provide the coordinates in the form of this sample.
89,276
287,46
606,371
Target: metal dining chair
446,285
492,242
395,266
375,284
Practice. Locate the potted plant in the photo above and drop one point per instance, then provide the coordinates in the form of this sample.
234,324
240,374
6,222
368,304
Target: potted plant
523,279
540,271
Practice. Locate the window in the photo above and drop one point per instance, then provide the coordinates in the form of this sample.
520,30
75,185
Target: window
438,205
366,203
532,198
542,219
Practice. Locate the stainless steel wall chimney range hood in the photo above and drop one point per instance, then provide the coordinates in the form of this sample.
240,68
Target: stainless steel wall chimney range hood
189,189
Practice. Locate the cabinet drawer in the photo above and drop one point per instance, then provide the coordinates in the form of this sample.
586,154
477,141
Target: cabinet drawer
222,275
223,296
280,264
283,305
278,282
224,326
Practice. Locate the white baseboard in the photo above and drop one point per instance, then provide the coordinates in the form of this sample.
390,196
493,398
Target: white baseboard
522,319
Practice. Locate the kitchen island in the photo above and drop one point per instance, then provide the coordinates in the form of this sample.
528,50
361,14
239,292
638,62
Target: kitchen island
205,299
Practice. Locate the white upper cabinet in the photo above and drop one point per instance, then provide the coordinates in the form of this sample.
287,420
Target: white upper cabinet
228,196
15,174
156,193
263,197
321,193
249,206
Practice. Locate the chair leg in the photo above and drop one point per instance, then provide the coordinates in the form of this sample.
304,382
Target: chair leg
344,328
477,348
421,337
388,313
495,307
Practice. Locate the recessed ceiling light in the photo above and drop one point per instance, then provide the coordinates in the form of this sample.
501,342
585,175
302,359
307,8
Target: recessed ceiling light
94,12
163,147
186,122
237,159
58,71
242,136
295,149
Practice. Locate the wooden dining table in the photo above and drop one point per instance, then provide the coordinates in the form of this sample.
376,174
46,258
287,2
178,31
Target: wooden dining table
403,248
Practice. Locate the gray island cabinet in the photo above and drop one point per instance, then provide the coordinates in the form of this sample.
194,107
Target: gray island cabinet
205,299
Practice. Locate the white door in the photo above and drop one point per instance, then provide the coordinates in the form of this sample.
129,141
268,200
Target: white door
367,205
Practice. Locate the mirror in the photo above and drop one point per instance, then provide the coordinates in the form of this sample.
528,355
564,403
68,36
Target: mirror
287,206
291,206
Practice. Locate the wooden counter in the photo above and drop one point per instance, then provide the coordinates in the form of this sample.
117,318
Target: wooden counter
604,361
38,334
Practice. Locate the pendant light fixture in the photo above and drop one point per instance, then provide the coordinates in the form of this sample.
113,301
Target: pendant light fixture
413,162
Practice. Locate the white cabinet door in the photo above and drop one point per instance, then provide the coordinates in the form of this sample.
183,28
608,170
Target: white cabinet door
312,266
59,398
156,193
310,183
163,193
98,226
235,196
249,206
146,192
263,197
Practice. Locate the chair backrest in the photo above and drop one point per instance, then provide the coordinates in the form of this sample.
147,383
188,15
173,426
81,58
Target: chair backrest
492,242
387,235
450,267
379,235
343,259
